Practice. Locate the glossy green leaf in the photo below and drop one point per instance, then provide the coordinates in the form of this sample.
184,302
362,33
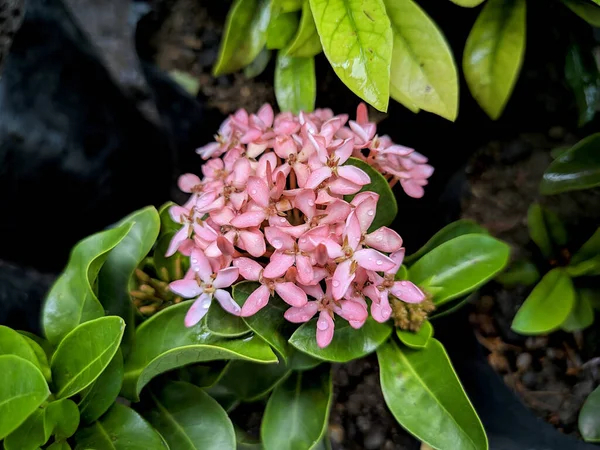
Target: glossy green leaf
258,66
589,417
167,225
357,40
163,343
548,305
299,361
287,5
425,396
347,344
64,445
115,276
84,353
417,340
203,375
188,418
577,168
22,390
583,77
387,208
306,43
221,323
269,322
494,53
71,300
297,412
281,30
540,228
423,69
450,231
244,36
451,308
250,388
295,83
522,272
459,266
13,343
468,3
99,397
121,428
63,416
586,261
188,82
244,441
586,10
31,435
582,314
402,273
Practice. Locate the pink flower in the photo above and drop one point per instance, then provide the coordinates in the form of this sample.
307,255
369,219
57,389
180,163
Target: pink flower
270,207
201,282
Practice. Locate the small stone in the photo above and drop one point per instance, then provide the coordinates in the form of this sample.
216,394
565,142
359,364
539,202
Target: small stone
529,380
374,439
555,353
336,433
524,361
534,343
363,423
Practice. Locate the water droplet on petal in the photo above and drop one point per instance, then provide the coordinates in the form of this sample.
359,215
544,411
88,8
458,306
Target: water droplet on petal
385,313
205,303
194,261
235,306
335,283
403,283
303,240
379,262
276,243
370,212
322,324
379,237
253,191
311,203
304,318
282,220
196,269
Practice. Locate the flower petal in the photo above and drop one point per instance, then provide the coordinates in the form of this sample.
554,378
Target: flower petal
258,191
177,239
381,310
279,239
256,301
384,239
352,231
291,294
325,328
366,211
407,292
248,268
253,241
200,265
373,260
305,202
354,174
341,186
303,313
279,264
249,219
197,311
186,288
341,279
317,177
226,277
227,302
336,211
305,269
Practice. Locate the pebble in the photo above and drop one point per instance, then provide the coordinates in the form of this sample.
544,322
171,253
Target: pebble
374,439
534,343
524,361
336,433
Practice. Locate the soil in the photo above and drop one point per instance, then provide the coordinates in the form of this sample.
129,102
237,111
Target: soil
552,374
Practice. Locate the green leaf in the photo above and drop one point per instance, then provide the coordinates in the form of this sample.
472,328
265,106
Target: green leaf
582,314
84,353
450,231
186,81
347,343
22,390
203,375
589,417
297,412
221,323
40,356
578,168
299,361
244,36
548,305
188,418
468,3
258,66
121,428
450,308
244,441
589,250
31,435
387,208
306,43
59,446
522,272
459,266
99,397
288,5
250,388
540,222
295,83
586,10
417,340
402,273
167,225
63,417
425,396
269,322
115,276
43,343
13,343
71,300
494,53
357,40
582,76
282,28
423,69
163,343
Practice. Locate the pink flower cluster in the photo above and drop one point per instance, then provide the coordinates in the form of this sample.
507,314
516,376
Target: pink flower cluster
270,208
